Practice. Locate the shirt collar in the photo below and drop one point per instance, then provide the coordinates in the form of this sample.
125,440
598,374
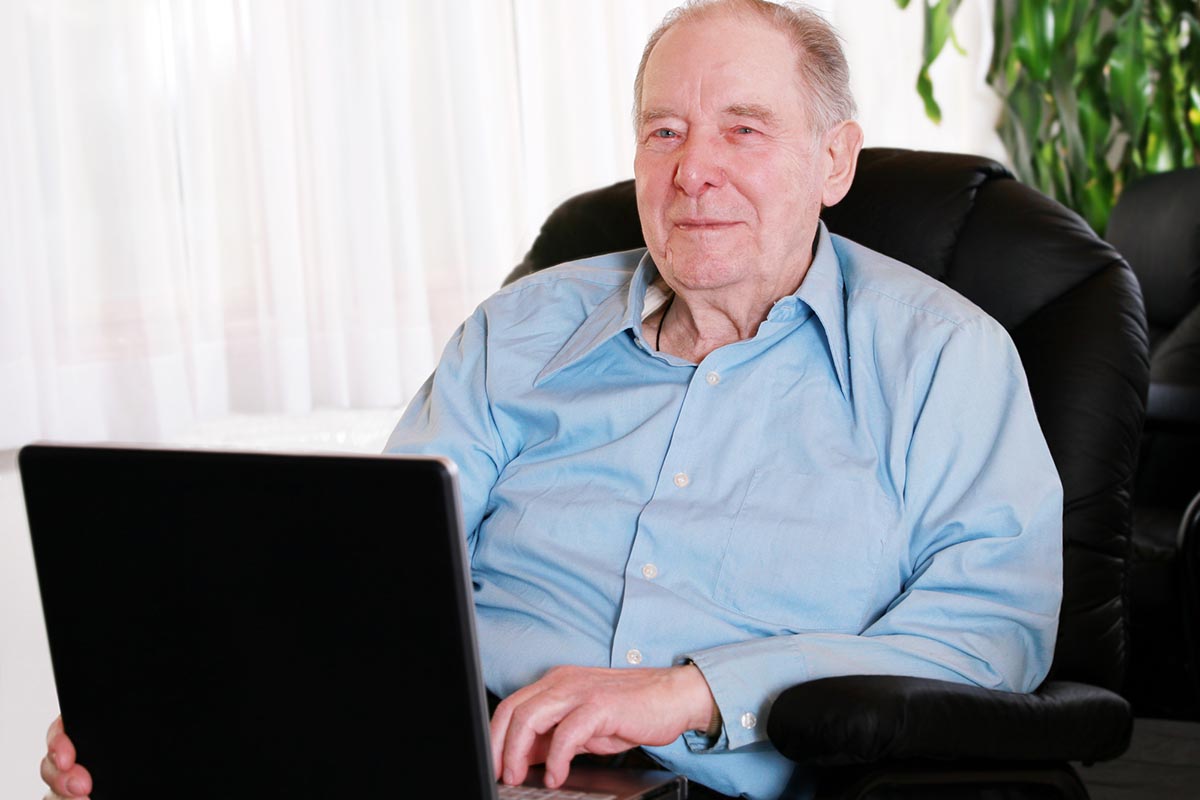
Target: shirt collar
822,290
620,311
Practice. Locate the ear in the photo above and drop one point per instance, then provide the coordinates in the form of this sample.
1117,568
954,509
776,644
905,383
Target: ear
842,144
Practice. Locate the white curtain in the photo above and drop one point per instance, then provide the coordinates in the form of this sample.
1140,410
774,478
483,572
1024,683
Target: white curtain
216,206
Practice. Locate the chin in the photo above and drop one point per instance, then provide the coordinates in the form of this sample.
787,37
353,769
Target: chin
703,271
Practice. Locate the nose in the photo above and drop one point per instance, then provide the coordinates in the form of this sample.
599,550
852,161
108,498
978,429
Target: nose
700,166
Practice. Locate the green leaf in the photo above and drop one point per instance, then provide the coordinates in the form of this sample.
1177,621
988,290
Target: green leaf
902,3
1129,80
1068,16
1001,48
1066,108
925,90
1033,37
962,51
1095,200
1021,125
1089,44
1095,128
938,26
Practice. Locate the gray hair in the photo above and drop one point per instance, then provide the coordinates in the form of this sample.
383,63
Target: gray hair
820,63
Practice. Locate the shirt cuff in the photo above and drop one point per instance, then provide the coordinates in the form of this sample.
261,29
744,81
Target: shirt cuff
743,702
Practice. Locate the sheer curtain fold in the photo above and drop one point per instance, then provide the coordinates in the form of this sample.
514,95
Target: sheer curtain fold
216,206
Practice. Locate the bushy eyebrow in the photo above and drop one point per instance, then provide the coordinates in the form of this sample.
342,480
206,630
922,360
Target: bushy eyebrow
748,110
753,111
653,115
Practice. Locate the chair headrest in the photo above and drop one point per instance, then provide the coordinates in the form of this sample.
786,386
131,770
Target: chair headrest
1156,226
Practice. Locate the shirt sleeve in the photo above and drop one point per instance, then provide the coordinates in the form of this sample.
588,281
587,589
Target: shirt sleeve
451,416
982,583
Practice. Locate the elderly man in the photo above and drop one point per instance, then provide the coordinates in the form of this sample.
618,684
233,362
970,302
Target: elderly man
752,455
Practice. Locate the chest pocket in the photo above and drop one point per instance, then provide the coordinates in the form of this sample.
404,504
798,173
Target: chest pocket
804,551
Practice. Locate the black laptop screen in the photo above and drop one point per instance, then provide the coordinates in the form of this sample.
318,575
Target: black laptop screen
256,625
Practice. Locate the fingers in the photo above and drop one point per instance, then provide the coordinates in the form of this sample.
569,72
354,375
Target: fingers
74,782
501,719
65,778
525,738
59,745
570,738
498,731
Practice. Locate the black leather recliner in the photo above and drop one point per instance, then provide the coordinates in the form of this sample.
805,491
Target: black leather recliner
1074,310
1156,226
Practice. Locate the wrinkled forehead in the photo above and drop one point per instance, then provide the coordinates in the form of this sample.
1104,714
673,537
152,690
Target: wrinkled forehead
722,60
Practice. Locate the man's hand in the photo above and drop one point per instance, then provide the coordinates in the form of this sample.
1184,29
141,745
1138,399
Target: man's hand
59,770
573,710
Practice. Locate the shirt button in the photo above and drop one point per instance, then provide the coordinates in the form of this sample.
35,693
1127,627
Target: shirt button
634,656
649,572
682,479
748,719
713,378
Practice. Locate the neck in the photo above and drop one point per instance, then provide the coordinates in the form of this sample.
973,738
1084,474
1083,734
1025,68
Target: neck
695,323
694,329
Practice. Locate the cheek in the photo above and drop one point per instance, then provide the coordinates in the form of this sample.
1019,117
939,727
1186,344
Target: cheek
649,210
655,169
780,191
655,191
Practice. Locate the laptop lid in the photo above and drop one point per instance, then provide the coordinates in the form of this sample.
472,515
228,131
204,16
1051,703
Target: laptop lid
259,625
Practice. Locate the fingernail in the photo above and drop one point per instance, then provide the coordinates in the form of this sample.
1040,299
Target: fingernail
508,777
54,759
75,786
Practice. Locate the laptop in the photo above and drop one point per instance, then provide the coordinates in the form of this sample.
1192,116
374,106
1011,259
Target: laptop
255,625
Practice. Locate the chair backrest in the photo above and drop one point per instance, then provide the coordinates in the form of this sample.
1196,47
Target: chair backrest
1156,226
1070,303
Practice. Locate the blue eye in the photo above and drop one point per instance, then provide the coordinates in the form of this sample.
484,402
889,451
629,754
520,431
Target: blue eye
743,129
664,133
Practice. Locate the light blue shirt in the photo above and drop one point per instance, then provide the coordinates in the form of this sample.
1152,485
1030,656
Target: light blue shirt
860,488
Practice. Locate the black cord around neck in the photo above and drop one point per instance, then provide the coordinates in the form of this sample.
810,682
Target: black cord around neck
661,320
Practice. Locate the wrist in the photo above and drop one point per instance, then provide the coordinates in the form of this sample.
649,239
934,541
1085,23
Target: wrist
704,716
714,724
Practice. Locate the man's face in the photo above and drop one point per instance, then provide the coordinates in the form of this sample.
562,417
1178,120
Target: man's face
730,177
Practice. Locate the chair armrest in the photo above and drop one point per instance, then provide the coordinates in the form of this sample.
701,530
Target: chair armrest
860,719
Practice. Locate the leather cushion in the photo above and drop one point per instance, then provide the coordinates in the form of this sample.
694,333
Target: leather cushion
1156,226
861,719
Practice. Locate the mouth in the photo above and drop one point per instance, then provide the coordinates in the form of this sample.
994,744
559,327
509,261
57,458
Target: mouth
703,224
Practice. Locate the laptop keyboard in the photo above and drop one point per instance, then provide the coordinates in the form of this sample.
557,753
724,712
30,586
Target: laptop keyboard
542,793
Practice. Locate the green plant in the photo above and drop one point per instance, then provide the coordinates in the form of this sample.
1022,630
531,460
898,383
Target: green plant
1096,92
